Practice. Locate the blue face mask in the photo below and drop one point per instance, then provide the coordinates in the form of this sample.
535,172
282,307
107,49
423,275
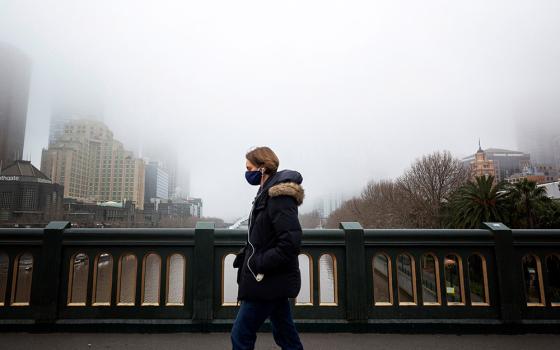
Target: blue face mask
253,177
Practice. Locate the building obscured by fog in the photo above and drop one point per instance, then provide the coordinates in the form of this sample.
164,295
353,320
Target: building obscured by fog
541,138
15,75
504,162
93,166
156,182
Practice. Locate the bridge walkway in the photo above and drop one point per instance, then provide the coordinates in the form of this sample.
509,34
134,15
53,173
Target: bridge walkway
209,341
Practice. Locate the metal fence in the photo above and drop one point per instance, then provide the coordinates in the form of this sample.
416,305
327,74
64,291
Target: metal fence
352,279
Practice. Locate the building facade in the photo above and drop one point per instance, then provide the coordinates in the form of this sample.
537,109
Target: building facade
15,75
105,214
28,196
505,163
540,174
93,166
156,182
482,166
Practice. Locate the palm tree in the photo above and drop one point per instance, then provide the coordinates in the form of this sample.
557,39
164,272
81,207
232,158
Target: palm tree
529,201
478,201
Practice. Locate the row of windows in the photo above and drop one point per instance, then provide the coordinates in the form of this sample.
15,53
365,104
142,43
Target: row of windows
406,275
126,280
328,291
453,286
21,280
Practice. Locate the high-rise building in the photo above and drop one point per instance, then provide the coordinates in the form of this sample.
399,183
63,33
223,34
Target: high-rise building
156,182
93,166
541,139
15,75
167,157
504,162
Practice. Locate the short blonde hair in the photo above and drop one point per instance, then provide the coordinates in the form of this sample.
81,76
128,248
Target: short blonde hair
264,157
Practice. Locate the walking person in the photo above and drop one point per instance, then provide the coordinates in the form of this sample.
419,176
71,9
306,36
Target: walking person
268,269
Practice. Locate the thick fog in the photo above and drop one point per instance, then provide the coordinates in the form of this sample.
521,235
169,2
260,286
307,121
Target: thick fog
343,91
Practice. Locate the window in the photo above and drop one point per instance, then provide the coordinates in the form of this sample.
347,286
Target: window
406,279
305,296
23,276
127,280
4,266
532,277
553,274
478,280
453,268
175,280
78,280
430,280
229,279
382,281
327,280
151,278
103,280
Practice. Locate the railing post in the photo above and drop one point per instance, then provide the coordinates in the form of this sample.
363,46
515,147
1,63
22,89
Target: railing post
508,271
356,294
203,274
49,269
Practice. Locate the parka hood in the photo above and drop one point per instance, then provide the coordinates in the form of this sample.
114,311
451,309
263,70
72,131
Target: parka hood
286,183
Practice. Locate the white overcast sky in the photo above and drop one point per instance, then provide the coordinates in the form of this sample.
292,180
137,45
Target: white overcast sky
343,91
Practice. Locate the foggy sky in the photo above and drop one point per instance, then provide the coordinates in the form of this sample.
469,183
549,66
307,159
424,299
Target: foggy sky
343,91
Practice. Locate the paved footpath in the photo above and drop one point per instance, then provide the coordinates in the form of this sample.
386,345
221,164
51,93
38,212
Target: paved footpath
346,341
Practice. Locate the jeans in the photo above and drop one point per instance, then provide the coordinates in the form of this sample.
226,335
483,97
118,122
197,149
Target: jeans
252,315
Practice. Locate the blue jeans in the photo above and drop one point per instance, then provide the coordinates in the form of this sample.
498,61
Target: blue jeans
252,315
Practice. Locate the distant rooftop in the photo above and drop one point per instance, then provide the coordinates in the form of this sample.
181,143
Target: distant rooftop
24,168
501,150
552,189
498,151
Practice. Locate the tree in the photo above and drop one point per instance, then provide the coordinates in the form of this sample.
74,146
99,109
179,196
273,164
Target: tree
348,211
310,220
479,201
530,202
550,216
428,185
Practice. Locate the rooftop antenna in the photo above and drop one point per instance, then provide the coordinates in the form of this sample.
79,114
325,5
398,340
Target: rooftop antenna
479,147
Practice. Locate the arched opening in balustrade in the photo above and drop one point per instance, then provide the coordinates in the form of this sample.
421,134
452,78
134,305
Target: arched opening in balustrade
78,279
478,280
328,293
4,266
103,280
431,290
553,276
229,281
126,287
406,279
23,276
454,285
305,296
532,277
382,280
176,269
151,278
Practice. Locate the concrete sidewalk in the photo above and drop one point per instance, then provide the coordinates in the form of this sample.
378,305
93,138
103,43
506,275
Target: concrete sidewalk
91,341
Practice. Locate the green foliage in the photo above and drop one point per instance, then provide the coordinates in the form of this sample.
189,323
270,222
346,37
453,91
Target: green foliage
478,201
522,205
529,203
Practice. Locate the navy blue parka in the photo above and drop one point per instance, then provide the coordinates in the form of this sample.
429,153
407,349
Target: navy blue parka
275,234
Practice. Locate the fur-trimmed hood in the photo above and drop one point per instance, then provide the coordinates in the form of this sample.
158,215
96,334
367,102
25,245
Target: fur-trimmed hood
288,189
